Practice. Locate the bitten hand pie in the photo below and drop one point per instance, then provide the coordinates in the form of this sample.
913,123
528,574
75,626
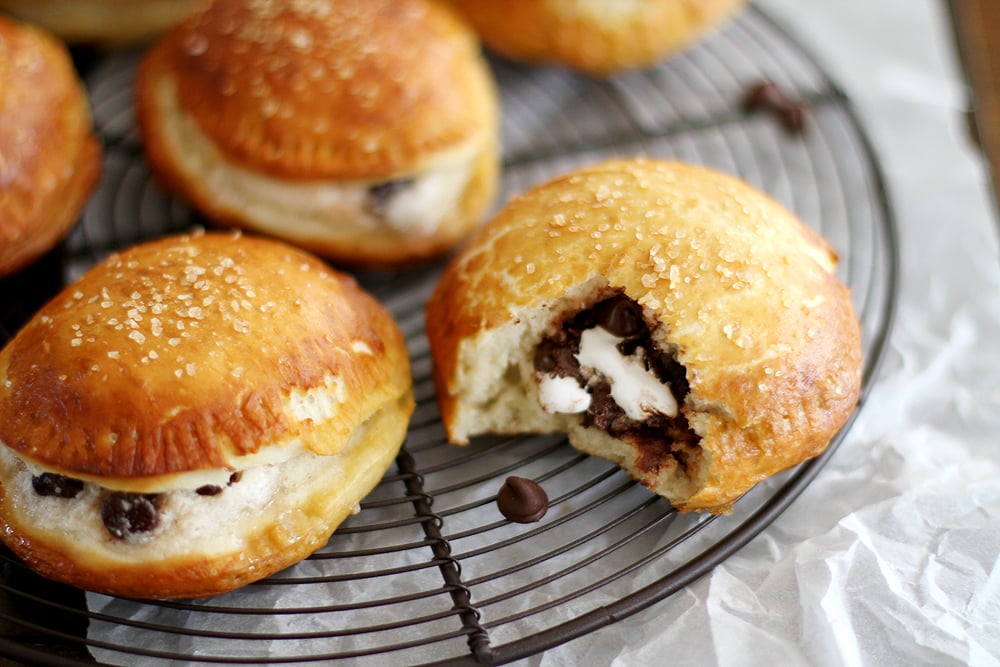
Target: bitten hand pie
194,414
107,23
363,130
594,36
50,159
668,318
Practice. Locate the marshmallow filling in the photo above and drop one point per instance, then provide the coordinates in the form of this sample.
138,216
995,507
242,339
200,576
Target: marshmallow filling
601,363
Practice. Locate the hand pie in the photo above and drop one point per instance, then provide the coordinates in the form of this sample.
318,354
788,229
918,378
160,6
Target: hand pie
194,414
596,37
50,160
666,317
363,130
105,23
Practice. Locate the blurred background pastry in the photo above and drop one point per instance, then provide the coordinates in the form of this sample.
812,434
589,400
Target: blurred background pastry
49,156
597,37
108,23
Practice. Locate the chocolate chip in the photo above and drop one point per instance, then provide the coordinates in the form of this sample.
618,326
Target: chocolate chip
380,194
770,97
630,346
764,95
125,514
51,484
522,500
620,316
793,117
214,490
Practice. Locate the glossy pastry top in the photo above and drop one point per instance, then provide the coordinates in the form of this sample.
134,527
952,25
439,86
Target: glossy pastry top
190,353
310,89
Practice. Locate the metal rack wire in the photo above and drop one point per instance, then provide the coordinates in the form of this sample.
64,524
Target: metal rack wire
429,572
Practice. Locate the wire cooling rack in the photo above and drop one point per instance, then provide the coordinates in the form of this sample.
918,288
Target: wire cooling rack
429,572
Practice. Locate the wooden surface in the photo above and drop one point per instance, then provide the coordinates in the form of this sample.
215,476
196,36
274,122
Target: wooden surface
977,35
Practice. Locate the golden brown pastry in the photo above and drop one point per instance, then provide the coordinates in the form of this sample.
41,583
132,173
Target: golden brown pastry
594,36
49,157
194,414
108,23
364,130
666,317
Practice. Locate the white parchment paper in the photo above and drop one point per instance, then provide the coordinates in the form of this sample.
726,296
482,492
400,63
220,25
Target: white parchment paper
892,555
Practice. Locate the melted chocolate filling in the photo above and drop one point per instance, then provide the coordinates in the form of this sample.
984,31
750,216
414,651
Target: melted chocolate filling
660,436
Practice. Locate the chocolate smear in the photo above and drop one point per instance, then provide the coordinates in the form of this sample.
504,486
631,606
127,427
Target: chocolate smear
522,500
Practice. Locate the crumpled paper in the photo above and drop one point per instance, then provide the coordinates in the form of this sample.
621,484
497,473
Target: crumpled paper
890,556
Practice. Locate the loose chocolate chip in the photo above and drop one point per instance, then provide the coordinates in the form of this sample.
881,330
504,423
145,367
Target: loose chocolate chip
235,477
764,95
51,484
769,97
522,500
793,117
380,194
620,316
125,514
